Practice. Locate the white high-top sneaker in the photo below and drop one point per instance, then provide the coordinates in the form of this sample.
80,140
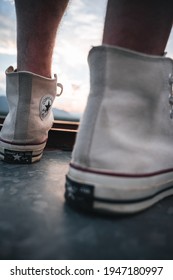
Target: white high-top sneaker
25,129
123,157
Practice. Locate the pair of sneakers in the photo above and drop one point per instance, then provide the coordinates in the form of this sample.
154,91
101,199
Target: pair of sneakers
122,161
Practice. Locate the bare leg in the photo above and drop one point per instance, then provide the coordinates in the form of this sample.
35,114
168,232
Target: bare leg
37,23
30,97
143,26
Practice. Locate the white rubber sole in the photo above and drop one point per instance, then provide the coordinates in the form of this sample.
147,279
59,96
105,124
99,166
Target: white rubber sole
116,194
21,154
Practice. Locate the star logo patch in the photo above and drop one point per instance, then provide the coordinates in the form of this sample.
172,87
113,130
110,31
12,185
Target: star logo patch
17,156
45,106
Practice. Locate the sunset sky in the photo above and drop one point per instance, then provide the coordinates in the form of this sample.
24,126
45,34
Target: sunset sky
80,29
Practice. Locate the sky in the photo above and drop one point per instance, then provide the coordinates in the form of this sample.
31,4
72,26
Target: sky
80,29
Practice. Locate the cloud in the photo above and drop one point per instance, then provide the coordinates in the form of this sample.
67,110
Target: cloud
7,28
7,39
81,28
169,47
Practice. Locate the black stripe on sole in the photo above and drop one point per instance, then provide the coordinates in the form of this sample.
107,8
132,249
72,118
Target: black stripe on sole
18,157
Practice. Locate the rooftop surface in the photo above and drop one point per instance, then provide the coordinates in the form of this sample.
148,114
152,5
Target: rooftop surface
36,223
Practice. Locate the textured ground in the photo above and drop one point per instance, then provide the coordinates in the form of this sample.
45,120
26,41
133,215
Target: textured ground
36,223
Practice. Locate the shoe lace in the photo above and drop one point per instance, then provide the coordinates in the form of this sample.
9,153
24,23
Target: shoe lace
61,89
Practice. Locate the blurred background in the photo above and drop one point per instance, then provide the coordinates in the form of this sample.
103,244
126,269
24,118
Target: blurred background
80,29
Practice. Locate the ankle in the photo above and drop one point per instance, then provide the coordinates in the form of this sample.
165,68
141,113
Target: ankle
42,71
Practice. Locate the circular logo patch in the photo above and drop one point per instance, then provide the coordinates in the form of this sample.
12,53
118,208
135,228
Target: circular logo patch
45,106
